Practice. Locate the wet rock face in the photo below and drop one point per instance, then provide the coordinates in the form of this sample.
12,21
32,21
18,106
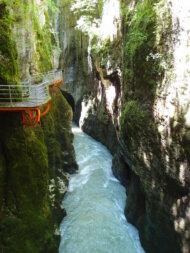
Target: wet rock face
34,162
100,131
132,94
58,139
24,191
80,64
143,118
99,111
152,128
77,75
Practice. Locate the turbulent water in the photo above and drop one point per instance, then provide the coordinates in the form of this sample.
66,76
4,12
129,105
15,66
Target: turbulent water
95,221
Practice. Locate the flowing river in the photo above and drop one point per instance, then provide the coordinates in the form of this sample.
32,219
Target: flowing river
95,201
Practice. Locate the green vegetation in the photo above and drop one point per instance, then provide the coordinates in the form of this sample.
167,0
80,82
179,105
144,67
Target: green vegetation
43,43
11,14
141,60
100,7
24,227
142,26
100,51
27,222
44,38
90,9
30,157
88,14
134,121
16,14
8,54
54,125
52,6
89,17
145,56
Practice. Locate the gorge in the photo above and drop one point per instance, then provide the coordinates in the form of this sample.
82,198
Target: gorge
95,202
125,67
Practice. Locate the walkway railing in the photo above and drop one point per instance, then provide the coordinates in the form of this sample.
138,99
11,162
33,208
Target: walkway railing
13,92
30,93
31,97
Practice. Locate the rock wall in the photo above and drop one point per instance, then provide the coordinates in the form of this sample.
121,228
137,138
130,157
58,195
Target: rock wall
139,108
77,74
88,76
26,26
154,123
126,65
34,166
35,162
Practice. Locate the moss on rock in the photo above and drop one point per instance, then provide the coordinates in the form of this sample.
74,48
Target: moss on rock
8,53
58,135
140,62
29,218
61,156
133,120
157,149
24,227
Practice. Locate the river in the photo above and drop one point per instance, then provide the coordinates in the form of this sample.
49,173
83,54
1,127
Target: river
95,201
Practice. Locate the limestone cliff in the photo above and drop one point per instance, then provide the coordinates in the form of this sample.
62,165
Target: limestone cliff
25,28
139,108
154,124
34,161
87,47
126,64
77,73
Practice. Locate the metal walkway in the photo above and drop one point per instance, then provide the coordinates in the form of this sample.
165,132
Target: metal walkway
31,96
29,93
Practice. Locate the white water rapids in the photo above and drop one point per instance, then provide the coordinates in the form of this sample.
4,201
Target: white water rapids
95,201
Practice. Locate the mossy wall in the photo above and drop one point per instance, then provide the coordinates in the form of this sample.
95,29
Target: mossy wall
8,54
139,101
56,126
150,146
30,158
34,161
140,69
29,39
156,153
24,202
74,61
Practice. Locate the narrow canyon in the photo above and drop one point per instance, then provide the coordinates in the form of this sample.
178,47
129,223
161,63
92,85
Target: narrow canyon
119,69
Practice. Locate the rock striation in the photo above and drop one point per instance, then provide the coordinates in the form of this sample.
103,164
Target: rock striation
35,162
126,72
139,108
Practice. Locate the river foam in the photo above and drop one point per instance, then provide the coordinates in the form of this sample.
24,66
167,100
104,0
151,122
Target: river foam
95,202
